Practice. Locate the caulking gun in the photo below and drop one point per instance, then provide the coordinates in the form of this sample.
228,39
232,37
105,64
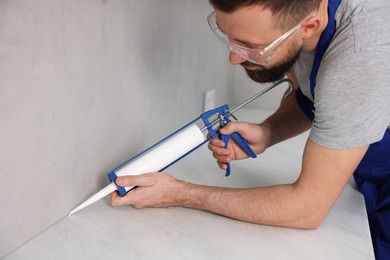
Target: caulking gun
179,144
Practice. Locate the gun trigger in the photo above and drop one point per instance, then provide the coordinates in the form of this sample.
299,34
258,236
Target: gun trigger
244,145
225,139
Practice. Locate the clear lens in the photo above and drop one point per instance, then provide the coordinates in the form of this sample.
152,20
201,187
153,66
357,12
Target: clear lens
259,57
223,37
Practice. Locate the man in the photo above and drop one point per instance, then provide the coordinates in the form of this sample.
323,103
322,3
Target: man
337,54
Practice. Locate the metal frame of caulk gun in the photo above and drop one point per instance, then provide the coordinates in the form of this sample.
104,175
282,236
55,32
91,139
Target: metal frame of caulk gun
222,115
277,83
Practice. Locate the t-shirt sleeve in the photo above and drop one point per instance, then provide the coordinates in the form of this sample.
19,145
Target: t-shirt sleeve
352,100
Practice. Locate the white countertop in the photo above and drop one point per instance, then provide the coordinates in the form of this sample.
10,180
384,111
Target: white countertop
102,232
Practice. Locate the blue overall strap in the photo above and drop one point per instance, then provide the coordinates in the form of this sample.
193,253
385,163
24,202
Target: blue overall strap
322,46
372,176
305,104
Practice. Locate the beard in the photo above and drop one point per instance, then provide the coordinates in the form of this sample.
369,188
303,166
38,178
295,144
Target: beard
275,72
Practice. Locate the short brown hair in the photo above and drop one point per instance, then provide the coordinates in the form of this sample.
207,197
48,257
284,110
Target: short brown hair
288,12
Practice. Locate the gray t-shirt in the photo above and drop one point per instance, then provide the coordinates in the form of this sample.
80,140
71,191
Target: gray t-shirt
352,94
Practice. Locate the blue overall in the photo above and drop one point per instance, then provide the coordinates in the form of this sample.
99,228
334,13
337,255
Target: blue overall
372,176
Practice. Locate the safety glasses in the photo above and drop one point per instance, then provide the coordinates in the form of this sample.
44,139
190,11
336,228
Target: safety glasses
260,57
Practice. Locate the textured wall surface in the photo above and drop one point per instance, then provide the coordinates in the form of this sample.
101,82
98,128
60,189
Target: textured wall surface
84,86
244,88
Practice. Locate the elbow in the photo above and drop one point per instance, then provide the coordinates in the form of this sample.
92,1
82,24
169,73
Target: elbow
310,211
304,220
312,221
313,224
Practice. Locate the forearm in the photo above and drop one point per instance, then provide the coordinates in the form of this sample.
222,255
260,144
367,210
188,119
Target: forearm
277,205
288,121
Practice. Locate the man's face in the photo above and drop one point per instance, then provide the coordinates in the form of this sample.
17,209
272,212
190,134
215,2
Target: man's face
254,28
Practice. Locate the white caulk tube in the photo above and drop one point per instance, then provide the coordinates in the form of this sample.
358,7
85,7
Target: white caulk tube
153,160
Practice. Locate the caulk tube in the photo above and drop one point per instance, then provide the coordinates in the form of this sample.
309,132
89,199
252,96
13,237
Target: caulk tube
154,159
160,156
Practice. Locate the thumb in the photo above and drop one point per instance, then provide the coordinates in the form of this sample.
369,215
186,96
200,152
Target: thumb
126,181
147,179
230,128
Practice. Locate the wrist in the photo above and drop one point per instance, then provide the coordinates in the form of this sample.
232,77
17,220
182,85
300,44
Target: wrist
189,195
267,134
182,194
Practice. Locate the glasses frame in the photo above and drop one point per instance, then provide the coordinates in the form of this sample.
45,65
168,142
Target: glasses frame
265,54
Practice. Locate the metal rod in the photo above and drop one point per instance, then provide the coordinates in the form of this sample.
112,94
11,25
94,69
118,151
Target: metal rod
263,92
230,112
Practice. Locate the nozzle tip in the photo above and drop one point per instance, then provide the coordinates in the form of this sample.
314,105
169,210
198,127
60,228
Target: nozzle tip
73,211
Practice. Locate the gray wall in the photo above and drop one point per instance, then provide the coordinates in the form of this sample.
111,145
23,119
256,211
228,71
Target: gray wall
244,88
84,86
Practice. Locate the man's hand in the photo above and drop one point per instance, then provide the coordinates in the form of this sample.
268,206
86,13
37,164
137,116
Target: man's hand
154,190
254,134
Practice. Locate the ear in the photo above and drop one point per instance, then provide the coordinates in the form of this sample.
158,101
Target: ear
312,26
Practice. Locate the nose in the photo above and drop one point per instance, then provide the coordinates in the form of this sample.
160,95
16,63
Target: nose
235,58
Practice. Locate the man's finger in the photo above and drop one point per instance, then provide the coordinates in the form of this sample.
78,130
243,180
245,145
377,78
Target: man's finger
223,166
229,128
222,158
117,200
240,127
216,143
147,179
